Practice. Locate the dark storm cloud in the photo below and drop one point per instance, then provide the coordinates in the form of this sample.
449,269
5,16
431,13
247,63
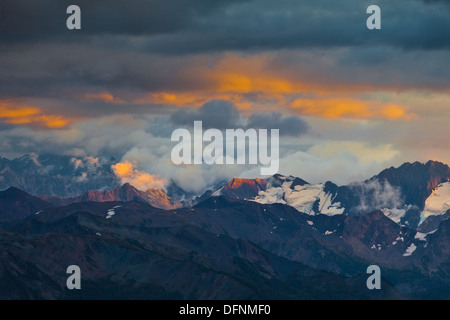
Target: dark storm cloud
180,26
131,49
288,125
384,67
56,69
36,20
437,1
128,52
65,75
214,114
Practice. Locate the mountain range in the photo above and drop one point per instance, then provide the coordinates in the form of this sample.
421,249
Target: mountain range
126,192
408,194
57,175
279,237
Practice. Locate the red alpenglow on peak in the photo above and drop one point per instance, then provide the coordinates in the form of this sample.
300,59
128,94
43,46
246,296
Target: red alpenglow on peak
243,188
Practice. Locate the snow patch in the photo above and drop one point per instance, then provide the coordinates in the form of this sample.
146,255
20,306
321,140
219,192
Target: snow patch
111,212
410,250
437,203
394,214
301,198
421,236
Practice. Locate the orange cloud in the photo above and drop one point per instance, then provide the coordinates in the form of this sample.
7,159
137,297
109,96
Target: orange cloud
102,96
246,81
253,83
394,111
256,74
193,99
346,107
13,113
127,173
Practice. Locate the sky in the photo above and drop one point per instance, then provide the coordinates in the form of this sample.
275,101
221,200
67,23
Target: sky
348,101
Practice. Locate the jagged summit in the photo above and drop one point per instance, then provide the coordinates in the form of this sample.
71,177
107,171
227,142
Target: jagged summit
407,194
126,193
416,180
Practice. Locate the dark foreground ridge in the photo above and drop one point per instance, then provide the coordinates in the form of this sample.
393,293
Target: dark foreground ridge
222,248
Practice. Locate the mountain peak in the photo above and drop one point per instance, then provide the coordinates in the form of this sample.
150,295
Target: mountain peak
416,180
127,187
56,174
242,188
17,204
16,193
14,190
127,192
435,163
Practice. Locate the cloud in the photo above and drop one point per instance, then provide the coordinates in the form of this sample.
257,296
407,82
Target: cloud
437,2
136,17
12,112
208,26
127,173
85,162
218,114
103,96
366,154
328,83
110,135
345,107
341,162
146,57
288,125
136,70
82,178
223,114
338,150
192,178
373,195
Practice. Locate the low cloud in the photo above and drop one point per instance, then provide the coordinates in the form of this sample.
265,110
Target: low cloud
341,162
342,151
374,195
127,173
